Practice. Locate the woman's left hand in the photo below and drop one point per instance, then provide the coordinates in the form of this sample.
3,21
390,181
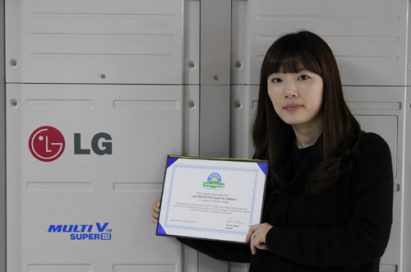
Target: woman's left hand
256,236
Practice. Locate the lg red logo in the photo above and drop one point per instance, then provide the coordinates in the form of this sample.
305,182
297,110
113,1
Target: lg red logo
46,143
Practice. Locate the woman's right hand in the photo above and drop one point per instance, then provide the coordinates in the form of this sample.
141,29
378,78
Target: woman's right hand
155,211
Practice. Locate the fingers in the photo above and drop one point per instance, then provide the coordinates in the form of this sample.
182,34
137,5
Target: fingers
248,237
256,235
154,217
253,228
155,211
263,247
250,232
257,243
253,242
253,249
251,238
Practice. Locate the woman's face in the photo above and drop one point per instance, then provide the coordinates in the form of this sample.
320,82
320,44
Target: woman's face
296,97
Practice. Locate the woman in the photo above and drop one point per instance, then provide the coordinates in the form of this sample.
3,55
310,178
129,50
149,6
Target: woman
328,204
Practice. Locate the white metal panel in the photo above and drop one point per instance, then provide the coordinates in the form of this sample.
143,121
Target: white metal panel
243,108
191,120
215,121
190,259
192,42
380,101
98,41
146,123
408,67
368,37
239,267
215,42
241,43
389,268
378,109
2,150
209,264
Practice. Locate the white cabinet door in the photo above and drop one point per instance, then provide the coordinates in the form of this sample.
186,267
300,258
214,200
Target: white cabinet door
368,37
102,41
85,163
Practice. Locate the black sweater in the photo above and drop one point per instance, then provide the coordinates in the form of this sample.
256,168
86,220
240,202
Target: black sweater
345,228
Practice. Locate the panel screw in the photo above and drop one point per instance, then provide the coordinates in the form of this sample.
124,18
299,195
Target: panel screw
13,102
13,62
191,64
103,76
238,64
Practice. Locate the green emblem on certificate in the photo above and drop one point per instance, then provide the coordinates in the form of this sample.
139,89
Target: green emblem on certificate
213,181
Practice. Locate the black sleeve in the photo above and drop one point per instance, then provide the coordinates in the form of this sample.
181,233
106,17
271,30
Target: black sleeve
362,239
225,251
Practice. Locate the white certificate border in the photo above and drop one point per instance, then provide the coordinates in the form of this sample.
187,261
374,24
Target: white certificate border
236,169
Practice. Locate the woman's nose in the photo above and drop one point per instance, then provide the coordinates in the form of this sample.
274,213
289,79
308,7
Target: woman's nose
290,89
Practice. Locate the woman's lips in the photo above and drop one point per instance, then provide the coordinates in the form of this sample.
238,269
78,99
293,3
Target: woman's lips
292,107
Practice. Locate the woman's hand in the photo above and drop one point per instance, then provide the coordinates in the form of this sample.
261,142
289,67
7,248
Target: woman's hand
256,236
155,211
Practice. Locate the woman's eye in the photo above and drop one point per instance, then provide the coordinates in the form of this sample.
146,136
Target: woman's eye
303,77
276,80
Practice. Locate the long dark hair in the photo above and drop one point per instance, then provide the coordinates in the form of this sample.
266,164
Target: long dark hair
272,137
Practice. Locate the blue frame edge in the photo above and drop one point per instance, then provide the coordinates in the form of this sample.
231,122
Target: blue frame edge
170,161
160,230
263,166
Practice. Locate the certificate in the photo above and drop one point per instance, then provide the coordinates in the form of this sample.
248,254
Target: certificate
214,199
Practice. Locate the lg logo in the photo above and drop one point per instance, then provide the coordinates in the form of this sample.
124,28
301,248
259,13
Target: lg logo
47,144
100,144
